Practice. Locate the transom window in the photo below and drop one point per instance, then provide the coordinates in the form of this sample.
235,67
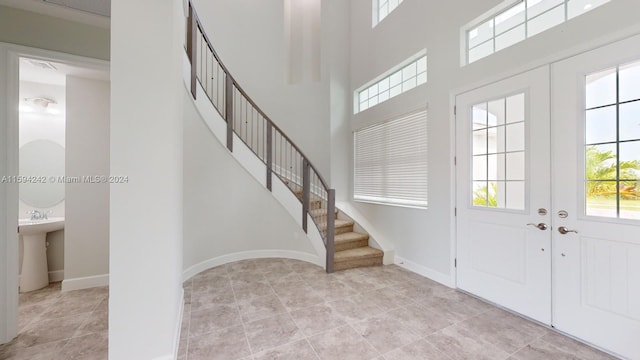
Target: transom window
410,74
512,22
498,137
612,143
382,8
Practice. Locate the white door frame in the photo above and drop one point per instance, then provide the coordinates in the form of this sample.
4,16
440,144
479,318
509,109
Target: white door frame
9,97
545,61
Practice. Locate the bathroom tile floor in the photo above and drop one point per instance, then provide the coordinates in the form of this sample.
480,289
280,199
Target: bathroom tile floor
55,325
286,309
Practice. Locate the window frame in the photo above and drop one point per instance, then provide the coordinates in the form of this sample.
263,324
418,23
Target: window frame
502,8
375,11
387,75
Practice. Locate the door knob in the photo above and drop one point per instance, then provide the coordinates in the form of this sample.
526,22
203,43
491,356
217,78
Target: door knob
541,226
563,230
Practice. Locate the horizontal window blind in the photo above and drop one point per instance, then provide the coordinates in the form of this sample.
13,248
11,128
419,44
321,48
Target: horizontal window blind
391,162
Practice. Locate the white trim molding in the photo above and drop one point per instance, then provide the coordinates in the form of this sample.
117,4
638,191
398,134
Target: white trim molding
85,282
246,255
444,279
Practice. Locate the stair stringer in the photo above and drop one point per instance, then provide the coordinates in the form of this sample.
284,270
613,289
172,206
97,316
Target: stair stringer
255,167
376,240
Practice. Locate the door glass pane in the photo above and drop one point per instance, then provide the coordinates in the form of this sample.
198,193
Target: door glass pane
630,82
612,179
601,89
480,168
601,162
499,153
515,166
603,202
480,142
601,125
630,121
515,195
496,112
515,108
515,137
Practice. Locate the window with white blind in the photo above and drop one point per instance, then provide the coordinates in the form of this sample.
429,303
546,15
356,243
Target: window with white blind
391,162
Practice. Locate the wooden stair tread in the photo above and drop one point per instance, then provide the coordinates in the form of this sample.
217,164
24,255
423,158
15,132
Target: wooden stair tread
358,253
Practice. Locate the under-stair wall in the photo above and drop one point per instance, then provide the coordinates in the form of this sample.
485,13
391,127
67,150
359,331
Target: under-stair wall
228,214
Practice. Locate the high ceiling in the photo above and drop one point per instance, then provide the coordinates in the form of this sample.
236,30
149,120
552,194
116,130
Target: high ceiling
98,7
92,12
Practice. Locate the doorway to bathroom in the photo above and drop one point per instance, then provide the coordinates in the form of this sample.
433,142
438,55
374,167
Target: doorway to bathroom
55,223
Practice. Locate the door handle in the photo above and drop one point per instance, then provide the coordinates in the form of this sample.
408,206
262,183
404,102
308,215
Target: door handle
541,226
563,230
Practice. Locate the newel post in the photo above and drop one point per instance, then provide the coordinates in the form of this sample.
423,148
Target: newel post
331,228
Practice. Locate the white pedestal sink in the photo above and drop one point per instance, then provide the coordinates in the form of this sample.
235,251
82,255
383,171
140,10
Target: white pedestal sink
35,273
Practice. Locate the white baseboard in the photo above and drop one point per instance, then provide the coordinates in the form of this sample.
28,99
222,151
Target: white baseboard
257,254
55,276
437,276
85,282
178,328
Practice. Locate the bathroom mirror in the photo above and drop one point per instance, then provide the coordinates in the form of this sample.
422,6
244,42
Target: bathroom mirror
43,162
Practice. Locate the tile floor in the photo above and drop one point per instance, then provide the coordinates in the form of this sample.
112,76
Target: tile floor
55,325
287,309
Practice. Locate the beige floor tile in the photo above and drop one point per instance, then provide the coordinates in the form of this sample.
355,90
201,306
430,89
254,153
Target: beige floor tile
213,318
317,318
507,331
272,332
260,308
356,308
46,351
343,343
385,333
571,346
419,320
419,350
228,344
460,344
50,330
89,347
299,350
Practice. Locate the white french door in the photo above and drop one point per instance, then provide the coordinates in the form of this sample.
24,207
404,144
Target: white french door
503,196
563,247
596,183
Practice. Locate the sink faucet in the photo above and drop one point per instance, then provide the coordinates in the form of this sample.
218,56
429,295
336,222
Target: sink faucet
36,215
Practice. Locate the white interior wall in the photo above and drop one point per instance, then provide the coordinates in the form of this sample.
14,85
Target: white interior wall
226,211
146,244
424,237
87,204
250,38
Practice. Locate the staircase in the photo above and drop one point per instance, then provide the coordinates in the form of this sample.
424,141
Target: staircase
352,248
282,158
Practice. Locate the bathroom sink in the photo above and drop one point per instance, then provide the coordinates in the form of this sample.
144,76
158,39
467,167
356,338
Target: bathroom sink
34,274
32,227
